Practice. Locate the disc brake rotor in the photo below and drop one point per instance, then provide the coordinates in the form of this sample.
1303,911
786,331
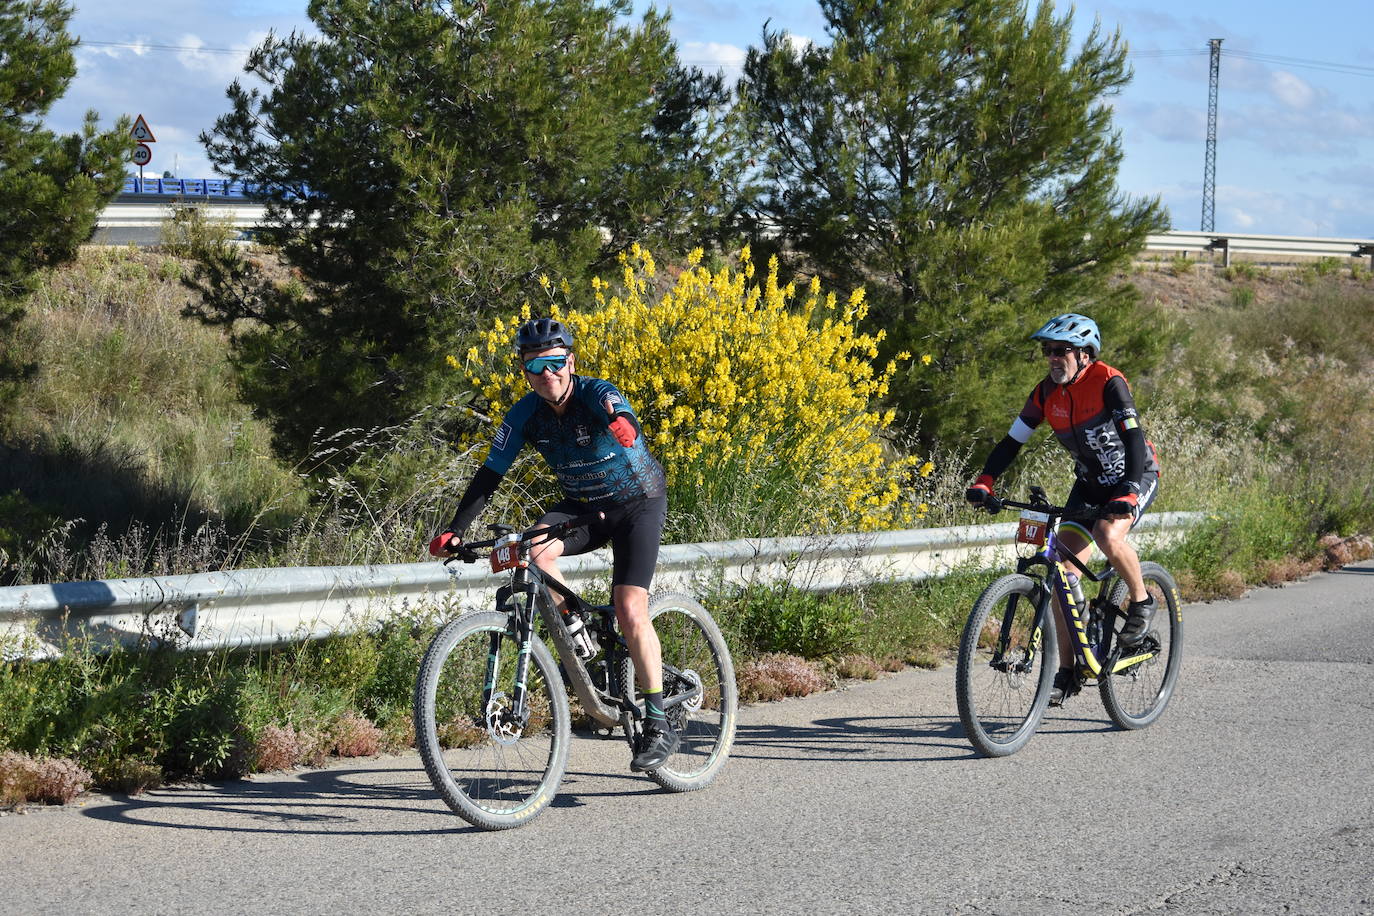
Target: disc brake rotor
502,725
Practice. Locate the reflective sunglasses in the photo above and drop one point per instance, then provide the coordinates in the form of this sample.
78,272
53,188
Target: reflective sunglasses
540,363
1057,351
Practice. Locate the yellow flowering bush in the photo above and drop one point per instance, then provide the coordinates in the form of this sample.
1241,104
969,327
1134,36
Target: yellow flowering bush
757,400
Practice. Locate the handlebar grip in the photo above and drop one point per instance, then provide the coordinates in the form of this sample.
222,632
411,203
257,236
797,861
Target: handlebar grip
992,504
583,520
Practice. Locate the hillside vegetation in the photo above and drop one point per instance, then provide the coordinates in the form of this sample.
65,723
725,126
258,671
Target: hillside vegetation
132,455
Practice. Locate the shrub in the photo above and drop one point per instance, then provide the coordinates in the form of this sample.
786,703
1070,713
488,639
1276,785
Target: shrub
51,780
354,736
776,675
794,622
277,747
751,395
858,665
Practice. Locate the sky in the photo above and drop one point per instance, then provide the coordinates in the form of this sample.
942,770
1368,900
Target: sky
1295,126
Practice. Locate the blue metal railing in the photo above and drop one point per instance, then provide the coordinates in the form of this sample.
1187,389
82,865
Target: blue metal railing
190,187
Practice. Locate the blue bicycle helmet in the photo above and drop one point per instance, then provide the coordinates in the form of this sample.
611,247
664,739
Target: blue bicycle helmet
1073,329
541,334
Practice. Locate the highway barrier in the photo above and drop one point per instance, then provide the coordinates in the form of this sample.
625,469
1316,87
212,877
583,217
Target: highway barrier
263,607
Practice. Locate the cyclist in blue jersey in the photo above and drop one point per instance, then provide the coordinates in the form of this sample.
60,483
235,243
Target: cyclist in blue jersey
592,440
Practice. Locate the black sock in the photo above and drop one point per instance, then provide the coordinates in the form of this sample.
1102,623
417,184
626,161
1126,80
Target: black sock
653,710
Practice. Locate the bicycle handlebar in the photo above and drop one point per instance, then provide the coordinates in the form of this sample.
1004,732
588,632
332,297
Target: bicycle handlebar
995,504
469,551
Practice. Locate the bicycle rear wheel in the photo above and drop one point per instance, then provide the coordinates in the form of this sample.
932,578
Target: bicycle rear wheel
699,692
1006,667
1136,697
495,770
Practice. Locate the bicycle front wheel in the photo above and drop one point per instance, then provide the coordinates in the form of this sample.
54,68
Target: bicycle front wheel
1006,667
1136,696
699,692
496,765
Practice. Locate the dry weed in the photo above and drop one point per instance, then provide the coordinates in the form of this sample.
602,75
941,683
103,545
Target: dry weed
777,675
858,665
51,780
1338,552
131,776
355,736
277,748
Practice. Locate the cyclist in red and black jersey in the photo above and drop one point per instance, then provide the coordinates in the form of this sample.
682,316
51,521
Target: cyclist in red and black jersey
1090,409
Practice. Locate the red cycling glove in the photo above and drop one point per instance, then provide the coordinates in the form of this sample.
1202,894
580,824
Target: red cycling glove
445,543
1123,505
624,430
980,491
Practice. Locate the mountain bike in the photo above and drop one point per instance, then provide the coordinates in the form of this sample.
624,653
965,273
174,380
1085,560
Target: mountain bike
1009,652
492,717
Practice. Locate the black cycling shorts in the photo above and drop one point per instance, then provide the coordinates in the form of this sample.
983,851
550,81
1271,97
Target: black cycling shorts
633,529
1086,495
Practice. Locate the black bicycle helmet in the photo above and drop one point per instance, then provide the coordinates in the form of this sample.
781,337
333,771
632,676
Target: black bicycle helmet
541,334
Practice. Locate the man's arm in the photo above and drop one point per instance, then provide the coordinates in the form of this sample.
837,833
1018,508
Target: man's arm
1117,398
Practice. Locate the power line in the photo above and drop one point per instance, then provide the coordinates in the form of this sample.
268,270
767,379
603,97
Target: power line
133,46
1152,54
1347,69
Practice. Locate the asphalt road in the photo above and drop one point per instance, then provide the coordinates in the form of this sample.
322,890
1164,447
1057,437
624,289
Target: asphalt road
1254,794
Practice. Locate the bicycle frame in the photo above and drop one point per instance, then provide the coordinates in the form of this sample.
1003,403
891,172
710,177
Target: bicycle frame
607,707
1052,557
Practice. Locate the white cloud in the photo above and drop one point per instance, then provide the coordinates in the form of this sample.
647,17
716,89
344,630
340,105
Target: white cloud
1291,90
711,56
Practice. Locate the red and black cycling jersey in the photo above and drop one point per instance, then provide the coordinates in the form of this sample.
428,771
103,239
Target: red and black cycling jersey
1095,419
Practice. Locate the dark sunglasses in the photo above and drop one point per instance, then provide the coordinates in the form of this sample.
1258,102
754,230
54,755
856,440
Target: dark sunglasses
1059,351
540,363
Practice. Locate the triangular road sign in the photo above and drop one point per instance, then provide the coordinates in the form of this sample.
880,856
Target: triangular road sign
142,133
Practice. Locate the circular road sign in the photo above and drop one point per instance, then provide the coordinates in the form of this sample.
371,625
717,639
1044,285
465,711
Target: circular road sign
143,154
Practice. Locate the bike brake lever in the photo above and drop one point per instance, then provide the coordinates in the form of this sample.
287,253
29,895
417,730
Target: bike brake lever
992,504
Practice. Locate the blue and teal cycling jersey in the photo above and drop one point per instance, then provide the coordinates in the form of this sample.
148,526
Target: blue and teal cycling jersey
590,463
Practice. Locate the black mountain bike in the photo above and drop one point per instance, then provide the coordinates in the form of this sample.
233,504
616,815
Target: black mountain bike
1009,652
492,718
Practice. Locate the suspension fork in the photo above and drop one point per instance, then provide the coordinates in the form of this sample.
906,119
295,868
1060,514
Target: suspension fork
524,637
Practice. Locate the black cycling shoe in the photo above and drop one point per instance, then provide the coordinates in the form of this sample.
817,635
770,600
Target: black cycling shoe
1065,686
656,745
1138,617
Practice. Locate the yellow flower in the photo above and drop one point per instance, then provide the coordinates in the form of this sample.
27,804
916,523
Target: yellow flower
728,406
925,359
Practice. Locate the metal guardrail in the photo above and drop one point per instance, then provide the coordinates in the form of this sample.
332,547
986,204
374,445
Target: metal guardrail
1200,243
263,607
138,212
151,215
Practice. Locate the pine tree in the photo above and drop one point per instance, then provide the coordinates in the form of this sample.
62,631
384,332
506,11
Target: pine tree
958,159
52,187
424,165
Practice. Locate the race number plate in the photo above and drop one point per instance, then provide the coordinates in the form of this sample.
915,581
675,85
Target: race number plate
1031,528
506,553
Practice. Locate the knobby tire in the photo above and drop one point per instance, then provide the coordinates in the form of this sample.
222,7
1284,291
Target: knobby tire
1001,709
492,770
1136,697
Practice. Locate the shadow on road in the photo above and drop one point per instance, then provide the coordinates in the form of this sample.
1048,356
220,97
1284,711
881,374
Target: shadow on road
342,801
869,738
335,801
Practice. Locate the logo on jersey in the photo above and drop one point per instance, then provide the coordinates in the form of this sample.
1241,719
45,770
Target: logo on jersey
1110,451
584,438
502,436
